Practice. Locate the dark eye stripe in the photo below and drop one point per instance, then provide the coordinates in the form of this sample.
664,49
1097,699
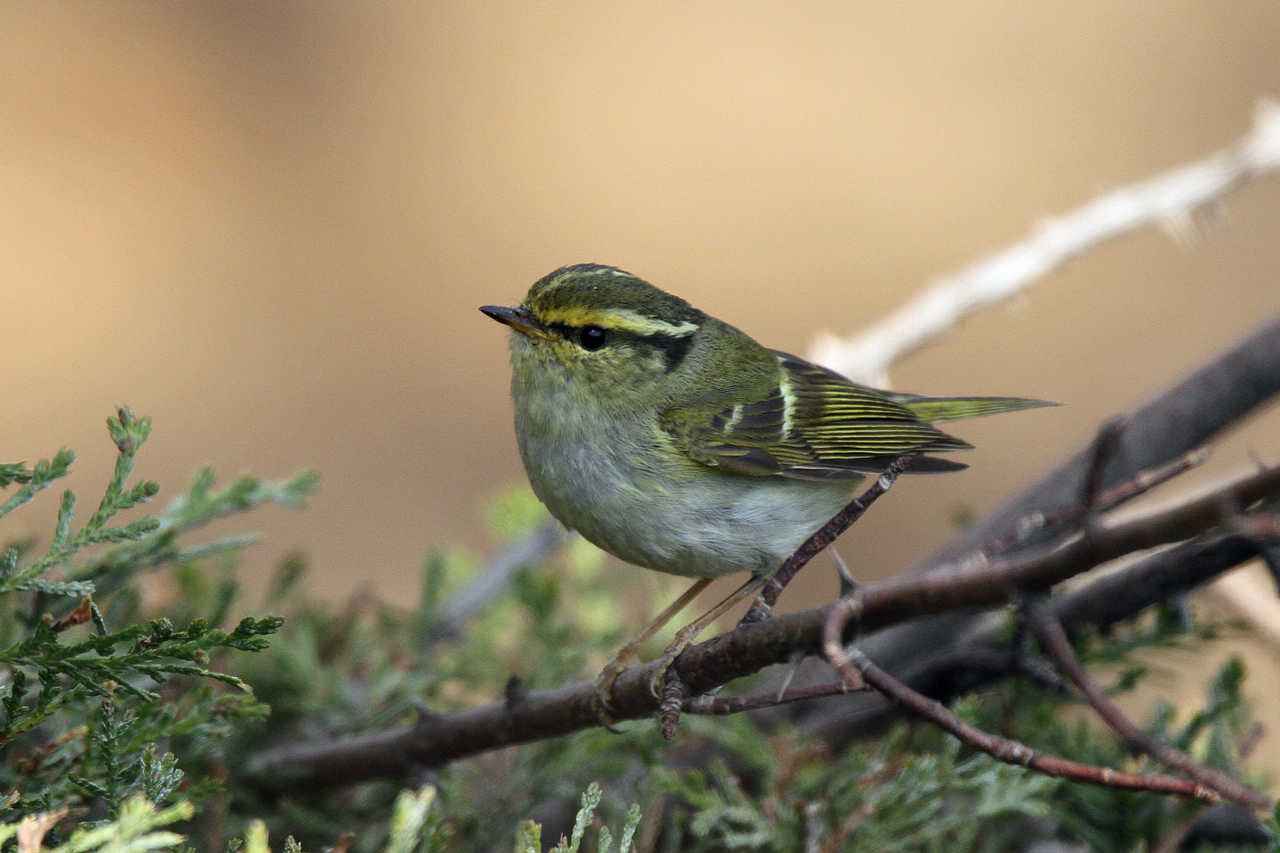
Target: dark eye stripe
674,348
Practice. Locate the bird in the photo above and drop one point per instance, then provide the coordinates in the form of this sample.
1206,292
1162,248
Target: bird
677,443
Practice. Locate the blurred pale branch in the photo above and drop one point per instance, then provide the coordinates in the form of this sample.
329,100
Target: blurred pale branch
493,581
1170,200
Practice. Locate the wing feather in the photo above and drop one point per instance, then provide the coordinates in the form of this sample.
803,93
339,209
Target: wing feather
812,424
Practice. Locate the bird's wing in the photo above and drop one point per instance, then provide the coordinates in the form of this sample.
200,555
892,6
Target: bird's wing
812,424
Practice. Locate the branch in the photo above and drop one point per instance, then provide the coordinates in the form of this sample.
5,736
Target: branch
824,537
439,739
856,668
1183,418
1171,200
494,580
1054,640
973,660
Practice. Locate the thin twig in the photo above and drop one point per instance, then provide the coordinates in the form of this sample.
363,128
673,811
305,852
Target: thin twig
825,536
1053,639
984,656
1119,494
1174,196
856,668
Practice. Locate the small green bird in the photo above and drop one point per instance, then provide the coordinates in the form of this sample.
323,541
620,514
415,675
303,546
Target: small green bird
675,442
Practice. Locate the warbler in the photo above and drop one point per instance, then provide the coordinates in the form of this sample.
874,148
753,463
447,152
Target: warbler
676,442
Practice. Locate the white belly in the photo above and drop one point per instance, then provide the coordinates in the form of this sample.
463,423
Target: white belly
594,480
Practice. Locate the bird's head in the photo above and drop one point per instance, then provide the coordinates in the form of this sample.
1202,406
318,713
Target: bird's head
609,334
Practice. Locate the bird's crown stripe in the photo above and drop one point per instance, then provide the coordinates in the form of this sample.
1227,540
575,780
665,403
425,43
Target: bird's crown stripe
622,319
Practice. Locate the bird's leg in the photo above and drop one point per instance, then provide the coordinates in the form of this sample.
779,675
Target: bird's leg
686,635
614,668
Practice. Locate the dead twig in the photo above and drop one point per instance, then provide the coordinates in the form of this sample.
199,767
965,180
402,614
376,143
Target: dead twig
1056,644
762,607
856,668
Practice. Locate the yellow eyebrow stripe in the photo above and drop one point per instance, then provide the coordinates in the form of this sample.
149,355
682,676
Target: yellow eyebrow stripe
622,319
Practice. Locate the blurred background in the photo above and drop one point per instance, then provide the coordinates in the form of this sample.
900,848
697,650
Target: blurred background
269,225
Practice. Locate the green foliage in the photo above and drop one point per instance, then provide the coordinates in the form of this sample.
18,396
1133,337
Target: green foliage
130,726
134,830
85,707
529,833
357,668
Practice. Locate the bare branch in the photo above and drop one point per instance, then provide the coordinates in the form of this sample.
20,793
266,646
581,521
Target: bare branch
856,668
981,656
1172,197
1037,523
1054,640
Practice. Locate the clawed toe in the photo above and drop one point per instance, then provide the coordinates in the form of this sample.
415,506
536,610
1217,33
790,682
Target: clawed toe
684,638
603,705
658,683
759,611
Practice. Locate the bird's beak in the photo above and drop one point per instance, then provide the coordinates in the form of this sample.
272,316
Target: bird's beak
517,318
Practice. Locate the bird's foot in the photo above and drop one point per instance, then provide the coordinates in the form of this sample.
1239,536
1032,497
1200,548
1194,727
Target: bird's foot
683,639
759,611
603,705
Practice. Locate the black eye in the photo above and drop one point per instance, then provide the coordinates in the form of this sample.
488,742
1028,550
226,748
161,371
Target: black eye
591,338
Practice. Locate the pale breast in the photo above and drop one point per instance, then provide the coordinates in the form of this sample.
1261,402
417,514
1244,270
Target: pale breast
605,479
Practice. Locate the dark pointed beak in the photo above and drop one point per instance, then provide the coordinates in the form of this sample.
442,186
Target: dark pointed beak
517,318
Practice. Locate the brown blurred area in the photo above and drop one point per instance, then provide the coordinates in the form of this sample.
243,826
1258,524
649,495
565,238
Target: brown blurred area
269,225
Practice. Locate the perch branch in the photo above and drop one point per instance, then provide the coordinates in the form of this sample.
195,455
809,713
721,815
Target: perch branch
439,739
982,656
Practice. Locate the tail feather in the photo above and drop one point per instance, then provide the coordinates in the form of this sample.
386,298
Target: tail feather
931,409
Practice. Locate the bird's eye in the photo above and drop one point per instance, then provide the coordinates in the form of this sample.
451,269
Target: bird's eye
591,338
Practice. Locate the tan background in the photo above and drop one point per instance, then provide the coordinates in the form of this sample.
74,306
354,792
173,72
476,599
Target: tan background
268,225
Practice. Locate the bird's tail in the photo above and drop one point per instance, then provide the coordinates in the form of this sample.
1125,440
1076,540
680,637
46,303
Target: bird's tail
932,409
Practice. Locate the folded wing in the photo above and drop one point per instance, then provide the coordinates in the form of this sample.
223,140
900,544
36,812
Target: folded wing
813,424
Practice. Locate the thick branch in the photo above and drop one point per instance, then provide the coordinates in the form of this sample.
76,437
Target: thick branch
438,739
1183,418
